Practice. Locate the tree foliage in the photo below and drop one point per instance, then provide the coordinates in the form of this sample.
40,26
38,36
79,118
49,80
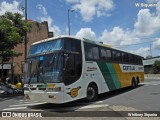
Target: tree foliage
156,67
12,32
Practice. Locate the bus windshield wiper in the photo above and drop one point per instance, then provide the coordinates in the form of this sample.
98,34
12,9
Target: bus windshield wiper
32,74
39,75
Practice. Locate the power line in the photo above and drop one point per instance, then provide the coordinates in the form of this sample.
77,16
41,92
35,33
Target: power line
137,43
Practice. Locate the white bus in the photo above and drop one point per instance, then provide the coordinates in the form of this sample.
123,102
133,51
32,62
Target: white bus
65,68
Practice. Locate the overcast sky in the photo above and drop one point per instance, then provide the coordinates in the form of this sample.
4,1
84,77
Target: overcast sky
131,25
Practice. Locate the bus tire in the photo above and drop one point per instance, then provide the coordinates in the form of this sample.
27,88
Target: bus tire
137,81
134,84
92,92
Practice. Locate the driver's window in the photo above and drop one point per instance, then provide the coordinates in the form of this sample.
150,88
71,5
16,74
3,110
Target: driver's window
72,61
70,65
73,45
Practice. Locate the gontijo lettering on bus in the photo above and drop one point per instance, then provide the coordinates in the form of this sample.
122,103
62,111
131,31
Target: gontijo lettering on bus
128,67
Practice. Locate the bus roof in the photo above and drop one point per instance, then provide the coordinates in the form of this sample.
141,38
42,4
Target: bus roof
54,38
78,38
82,39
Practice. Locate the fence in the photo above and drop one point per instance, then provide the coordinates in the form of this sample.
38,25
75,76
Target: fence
152,76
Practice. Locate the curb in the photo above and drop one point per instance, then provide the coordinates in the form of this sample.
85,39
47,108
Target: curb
155,78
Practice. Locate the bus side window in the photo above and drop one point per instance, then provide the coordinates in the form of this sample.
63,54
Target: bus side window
140,61
103,54
91,52
109,55
73,45
70,45
95,53
88,52
132,59
125,57
106,54
116,55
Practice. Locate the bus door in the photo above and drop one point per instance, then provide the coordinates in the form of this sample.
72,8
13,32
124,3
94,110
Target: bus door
71,74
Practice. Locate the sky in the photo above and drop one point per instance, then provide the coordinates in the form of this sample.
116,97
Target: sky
130,25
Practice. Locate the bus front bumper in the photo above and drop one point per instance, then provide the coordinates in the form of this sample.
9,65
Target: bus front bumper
48,97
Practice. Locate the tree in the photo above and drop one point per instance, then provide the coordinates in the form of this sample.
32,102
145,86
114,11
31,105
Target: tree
12,33
156,67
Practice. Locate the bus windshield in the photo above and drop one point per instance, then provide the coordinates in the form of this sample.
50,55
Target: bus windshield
45,68
46,47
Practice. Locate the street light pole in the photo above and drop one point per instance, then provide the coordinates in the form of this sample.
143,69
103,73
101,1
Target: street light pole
69,21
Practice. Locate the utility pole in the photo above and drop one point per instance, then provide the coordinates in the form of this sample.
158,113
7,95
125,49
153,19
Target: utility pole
69,21
25,41
151,49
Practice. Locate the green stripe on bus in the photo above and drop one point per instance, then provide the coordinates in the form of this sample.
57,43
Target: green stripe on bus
114,75
42,86
107,75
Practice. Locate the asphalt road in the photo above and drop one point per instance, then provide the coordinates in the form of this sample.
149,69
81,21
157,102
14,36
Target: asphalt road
144,98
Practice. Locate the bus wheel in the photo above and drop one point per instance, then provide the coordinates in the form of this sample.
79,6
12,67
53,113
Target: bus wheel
92,92
137,81
134,84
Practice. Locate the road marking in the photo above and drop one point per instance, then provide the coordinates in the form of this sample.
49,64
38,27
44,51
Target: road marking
27,101
15,108
93,106
22,100
27,104
99,102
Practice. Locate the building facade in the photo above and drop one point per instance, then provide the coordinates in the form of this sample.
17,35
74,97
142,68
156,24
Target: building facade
149,62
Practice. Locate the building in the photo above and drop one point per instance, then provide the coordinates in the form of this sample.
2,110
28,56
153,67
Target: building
149,62
38,31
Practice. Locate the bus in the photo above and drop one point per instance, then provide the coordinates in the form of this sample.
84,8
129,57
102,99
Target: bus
66,68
